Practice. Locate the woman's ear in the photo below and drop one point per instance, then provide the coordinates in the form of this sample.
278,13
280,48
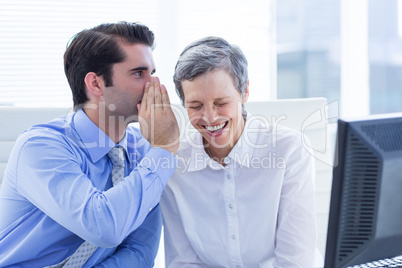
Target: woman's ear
246,93
94,84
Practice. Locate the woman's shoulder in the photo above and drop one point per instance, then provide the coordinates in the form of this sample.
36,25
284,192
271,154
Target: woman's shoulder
272,132
268,138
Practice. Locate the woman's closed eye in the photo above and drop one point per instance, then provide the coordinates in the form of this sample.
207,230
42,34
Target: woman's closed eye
195,107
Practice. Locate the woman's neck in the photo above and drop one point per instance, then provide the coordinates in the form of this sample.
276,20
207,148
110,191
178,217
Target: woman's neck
217,154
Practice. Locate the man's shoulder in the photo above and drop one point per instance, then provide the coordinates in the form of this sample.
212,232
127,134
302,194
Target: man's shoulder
55,128
56,131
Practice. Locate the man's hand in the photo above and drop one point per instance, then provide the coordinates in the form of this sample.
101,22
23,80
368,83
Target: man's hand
157,121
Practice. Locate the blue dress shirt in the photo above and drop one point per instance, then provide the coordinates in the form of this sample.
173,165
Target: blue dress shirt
57,192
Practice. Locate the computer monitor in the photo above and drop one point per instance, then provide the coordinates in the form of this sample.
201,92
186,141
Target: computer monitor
365,218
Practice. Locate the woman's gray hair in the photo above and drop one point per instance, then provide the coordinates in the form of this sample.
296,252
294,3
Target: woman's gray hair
207,54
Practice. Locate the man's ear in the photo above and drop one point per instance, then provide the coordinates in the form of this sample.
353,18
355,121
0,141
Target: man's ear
246,93
94,84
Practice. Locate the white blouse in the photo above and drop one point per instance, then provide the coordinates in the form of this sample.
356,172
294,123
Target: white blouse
257,211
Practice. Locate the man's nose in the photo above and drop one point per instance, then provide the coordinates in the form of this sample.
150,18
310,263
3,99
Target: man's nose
149,76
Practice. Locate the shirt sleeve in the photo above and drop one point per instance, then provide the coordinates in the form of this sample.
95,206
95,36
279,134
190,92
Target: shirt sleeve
51,175
139,249
296,228
178,249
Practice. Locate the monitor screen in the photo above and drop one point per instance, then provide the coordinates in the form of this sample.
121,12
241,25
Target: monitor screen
365,218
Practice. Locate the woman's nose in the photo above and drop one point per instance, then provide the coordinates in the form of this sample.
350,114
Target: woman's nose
209,114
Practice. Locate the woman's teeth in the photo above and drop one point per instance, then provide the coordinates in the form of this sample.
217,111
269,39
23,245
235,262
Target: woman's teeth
215,128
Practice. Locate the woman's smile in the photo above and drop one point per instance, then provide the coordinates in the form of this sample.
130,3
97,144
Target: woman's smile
216,129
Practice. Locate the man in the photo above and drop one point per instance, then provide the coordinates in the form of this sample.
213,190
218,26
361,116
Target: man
58,191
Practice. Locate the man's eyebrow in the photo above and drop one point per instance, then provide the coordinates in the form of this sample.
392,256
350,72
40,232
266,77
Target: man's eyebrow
142,68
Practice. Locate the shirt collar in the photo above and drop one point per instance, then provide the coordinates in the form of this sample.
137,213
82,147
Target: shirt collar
94,139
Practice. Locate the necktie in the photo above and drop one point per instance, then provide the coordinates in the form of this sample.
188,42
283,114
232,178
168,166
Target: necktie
85,250
116,155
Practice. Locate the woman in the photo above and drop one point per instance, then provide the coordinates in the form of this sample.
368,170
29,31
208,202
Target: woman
243,194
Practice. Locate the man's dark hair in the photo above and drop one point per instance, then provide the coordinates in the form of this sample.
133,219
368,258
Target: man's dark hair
97,49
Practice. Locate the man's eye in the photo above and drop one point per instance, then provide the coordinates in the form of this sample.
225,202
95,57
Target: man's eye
221,104
139,73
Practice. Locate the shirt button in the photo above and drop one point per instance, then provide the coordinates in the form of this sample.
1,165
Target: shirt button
150,209
234,237
230,206
228,176
227,161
